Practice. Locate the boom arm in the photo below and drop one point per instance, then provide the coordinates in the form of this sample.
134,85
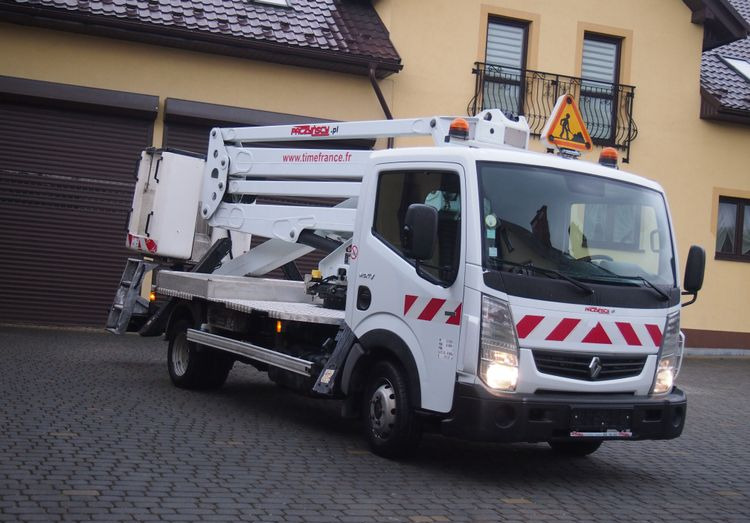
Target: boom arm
230,164
226,187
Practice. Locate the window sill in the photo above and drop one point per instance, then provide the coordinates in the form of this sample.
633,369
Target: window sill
722,256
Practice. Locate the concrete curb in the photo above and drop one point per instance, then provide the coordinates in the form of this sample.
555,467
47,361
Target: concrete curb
52,327
717,353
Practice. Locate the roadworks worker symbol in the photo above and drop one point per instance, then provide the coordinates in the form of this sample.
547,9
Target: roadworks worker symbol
565,128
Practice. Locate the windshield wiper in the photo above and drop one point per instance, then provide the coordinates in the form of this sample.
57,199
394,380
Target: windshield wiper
664,295
649,283
548,272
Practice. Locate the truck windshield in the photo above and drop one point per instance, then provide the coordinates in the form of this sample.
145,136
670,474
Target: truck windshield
538,220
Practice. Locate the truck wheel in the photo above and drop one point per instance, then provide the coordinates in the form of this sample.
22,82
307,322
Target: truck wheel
391,426
195,367
574,448
221,364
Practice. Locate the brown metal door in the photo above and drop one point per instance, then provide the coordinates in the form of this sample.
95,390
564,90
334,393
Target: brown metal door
66,178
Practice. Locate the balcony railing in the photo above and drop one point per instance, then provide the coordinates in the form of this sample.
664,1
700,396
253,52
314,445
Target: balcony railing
607,109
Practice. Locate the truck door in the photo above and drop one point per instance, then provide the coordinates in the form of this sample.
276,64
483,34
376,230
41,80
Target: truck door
422,307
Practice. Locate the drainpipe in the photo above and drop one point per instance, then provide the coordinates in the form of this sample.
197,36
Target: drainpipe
381,99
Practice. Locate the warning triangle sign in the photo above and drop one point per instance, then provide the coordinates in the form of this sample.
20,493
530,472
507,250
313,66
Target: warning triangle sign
565,128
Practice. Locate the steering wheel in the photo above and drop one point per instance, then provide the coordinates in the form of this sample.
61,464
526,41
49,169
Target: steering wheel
595,257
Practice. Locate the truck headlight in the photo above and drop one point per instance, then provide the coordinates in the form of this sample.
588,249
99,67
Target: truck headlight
670,356
498,350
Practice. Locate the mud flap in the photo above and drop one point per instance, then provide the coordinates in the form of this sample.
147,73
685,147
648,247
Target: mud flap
331,373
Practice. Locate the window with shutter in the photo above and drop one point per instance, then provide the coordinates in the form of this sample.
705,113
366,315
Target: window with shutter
600,75
505,60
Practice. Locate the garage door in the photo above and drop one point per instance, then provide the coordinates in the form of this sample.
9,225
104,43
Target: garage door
67,180
187,126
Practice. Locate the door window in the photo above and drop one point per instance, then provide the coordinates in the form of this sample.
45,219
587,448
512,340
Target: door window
439,189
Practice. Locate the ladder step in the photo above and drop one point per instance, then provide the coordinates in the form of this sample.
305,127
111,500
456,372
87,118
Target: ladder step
127,300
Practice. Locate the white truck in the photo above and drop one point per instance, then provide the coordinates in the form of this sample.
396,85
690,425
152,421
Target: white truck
472,287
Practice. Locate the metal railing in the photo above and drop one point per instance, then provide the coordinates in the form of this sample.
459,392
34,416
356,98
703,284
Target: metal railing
607,109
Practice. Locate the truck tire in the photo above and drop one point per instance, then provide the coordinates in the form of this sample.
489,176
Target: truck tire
575,448
218,365
391,426
192,366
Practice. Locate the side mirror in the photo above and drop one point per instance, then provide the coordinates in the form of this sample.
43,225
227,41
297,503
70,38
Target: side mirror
419,235
694,271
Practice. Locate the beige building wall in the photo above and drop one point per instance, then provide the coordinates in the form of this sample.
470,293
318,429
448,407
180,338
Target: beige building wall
694,160
439,40
56,56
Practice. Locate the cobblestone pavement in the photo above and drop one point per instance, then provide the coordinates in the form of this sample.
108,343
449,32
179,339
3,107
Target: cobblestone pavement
92,429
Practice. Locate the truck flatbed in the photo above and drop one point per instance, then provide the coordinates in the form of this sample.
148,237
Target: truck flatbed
280,299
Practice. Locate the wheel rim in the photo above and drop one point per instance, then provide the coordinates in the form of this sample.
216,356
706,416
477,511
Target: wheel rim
383,410
180,355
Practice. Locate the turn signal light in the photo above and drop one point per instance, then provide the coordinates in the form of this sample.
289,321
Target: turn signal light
152,296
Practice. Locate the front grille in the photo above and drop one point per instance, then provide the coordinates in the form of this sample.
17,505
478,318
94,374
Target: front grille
576,366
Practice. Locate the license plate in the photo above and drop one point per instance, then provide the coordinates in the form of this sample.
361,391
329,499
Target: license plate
608,434
601,423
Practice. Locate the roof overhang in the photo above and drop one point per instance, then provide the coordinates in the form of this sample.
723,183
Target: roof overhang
712,109
83,23
719,18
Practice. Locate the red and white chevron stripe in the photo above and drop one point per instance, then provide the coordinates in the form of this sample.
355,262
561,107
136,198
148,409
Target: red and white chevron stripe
141,243
432,309
576,330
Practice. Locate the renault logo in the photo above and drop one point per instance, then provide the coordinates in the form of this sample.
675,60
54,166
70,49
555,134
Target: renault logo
595,367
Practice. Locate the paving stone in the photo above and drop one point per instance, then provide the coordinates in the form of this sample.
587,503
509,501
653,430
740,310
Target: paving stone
146,451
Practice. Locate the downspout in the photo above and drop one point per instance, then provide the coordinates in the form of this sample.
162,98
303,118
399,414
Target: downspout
381,99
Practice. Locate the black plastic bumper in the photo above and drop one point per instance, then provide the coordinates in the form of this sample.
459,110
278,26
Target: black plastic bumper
480,415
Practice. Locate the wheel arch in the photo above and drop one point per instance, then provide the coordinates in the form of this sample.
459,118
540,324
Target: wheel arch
375,345
192,311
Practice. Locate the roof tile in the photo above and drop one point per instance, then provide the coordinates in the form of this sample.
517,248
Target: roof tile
720,80
742,7
351,27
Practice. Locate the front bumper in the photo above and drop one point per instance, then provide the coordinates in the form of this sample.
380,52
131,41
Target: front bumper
481,415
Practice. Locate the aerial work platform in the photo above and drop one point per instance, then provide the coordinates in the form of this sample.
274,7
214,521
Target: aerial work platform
280,299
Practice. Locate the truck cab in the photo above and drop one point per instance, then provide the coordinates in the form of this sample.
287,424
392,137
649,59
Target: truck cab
551,286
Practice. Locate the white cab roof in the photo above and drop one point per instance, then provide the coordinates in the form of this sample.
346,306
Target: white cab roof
471,154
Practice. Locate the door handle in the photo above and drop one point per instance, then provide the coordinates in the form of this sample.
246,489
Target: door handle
364,298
